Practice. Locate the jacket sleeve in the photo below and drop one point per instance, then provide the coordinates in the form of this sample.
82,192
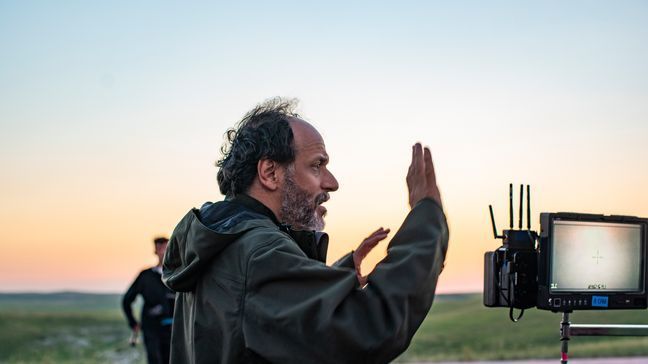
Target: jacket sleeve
128,299
345,262
299,310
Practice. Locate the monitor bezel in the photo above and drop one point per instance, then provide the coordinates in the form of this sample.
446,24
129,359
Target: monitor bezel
621,299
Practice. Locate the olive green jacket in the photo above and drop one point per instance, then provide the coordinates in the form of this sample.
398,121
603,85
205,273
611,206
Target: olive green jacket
248,293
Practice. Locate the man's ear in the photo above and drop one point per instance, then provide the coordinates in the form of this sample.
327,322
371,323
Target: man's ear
270,174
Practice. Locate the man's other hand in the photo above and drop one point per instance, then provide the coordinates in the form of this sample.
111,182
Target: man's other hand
421,180
364,248
134,338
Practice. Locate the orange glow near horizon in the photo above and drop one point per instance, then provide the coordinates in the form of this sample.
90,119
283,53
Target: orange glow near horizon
102,250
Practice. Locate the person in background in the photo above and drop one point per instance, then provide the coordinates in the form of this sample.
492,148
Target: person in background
157,311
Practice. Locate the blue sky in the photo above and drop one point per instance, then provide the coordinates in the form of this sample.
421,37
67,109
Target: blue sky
116,111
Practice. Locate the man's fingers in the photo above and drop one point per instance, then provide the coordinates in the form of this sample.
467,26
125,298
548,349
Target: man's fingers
416,178
371,241
415,166
410,170
430,176
417,159
374,239
413,155
378,231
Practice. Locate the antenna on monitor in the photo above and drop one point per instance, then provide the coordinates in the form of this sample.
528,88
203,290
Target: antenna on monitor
493,222
528,207
511,206
521,203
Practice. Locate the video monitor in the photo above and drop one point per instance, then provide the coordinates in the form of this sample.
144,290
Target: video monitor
596,257
592,262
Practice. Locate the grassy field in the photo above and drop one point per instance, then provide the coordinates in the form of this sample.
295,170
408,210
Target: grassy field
461,328
64,328
73,327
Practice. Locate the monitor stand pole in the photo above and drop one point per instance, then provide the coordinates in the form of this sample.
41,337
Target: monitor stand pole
567,330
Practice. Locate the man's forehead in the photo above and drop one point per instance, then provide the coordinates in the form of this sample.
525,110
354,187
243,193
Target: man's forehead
306,137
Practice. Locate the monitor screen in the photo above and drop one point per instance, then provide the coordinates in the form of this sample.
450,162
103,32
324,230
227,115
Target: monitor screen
596,257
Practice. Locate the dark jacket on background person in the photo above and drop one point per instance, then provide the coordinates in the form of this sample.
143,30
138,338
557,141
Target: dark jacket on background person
157,313
157,309
252,291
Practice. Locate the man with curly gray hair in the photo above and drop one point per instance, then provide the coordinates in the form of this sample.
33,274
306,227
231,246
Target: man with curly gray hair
250,270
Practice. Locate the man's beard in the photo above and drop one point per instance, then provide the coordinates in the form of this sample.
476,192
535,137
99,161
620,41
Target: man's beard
298,209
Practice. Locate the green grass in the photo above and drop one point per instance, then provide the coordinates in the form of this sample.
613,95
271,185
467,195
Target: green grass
461,328
64,328
74,328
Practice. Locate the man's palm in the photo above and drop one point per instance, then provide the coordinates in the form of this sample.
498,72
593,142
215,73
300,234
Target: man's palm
363,250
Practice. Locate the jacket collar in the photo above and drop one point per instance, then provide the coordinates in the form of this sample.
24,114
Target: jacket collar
313,243
254,205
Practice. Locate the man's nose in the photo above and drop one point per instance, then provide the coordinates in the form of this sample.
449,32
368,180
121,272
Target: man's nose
330,183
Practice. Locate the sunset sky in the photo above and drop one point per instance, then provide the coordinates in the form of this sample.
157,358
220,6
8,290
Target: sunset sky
112,115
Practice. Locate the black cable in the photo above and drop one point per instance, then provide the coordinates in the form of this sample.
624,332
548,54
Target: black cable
518,318
508,299
510,302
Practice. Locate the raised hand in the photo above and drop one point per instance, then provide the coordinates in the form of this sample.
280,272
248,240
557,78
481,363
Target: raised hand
421,179
364,248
